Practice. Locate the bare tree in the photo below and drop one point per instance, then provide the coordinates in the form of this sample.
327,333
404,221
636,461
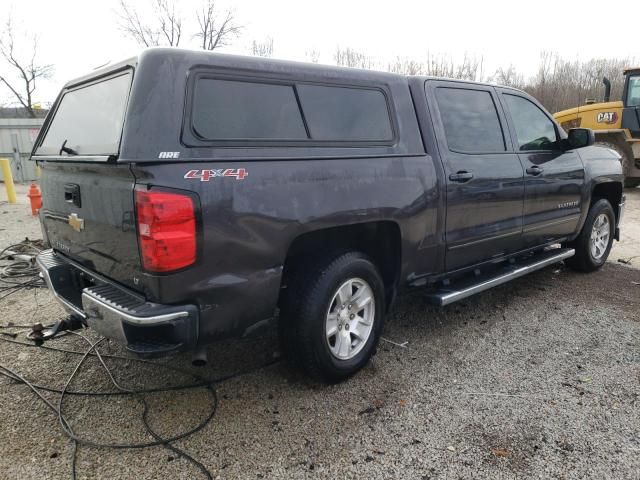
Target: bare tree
471,68
163,28
439,66
262,49
508,77
312,55
560,83
347,57
216,30
28,70
406,66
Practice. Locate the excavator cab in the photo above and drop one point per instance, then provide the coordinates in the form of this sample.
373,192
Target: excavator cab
631,101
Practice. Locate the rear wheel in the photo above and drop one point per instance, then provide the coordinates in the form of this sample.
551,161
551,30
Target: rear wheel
594,242
332,316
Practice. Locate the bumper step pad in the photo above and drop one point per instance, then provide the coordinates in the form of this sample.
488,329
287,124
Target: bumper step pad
143,327
149,347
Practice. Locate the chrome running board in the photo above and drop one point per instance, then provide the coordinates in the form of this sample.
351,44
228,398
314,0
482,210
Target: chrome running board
467,287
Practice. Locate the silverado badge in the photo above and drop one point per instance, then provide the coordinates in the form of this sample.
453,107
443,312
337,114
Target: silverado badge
76,222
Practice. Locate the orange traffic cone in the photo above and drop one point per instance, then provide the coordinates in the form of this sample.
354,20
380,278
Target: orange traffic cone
35,197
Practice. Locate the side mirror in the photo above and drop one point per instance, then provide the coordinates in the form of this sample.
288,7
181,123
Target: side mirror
580,137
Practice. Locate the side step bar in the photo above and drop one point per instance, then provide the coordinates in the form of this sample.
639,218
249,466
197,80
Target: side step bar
465,288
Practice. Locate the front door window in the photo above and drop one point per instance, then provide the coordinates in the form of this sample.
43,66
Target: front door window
535,131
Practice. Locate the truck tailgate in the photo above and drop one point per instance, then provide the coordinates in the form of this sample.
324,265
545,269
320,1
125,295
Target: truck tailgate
88,215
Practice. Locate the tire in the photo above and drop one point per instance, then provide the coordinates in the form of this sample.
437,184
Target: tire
311,307
588,259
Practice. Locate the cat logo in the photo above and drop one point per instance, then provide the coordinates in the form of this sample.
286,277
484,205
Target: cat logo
76,222
607,117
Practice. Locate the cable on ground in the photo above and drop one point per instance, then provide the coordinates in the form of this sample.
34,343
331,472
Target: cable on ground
93,351
19,270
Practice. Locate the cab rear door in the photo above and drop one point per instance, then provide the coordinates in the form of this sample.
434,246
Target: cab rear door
483,176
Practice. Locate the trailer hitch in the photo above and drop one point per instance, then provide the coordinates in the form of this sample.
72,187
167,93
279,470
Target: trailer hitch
40,334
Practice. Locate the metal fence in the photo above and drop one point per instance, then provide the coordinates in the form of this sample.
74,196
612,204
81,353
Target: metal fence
16,139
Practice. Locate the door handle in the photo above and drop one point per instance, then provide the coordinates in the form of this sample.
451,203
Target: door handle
461,176
535,170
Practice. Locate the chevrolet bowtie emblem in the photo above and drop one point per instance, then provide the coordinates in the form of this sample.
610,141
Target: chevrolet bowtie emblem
76,222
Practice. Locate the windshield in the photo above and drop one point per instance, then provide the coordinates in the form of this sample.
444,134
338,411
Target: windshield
633,97
89,119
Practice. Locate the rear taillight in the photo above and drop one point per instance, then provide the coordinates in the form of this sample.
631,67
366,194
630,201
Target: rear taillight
166,230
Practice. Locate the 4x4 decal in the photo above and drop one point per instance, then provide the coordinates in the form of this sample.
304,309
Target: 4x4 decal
206,175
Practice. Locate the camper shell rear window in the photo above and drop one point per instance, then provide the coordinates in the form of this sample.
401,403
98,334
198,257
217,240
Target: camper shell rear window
89,118
241,111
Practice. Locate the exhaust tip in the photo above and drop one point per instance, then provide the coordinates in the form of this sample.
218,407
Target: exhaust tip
199,358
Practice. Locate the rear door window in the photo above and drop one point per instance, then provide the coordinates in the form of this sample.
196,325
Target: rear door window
89,118
470,120
237,110
345,113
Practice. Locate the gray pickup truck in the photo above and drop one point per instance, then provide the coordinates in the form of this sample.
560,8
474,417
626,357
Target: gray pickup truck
191,196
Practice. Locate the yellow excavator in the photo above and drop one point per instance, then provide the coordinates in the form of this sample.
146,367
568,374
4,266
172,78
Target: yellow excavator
615,124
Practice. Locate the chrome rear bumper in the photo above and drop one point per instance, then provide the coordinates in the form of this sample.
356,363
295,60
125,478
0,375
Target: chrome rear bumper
116,312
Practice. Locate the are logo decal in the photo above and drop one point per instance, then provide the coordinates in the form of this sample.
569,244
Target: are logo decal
206,175
607,117
169,155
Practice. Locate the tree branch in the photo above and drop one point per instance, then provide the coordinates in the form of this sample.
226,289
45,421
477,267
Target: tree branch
28,73
211,34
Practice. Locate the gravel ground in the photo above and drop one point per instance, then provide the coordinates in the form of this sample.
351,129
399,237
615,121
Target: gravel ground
539,378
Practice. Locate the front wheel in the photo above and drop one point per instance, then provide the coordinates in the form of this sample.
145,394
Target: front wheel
332,316
596,238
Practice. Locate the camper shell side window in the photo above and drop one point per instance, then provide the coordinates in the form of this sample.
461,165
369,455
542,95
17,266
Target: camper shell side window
231,110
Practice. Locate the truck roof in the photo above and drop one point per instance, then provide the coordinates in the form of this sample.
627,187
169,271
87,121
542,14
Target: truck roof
245,62
102,70
238,63
462,80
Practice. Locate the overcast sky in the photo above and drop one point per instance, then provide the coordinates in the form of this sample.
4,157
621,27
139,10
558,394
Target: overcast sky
78,35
